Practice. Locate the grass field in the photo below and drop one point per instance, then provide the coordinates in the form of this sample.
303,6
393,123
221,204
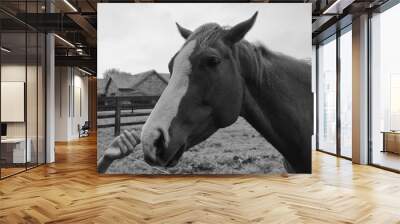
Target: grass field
237,149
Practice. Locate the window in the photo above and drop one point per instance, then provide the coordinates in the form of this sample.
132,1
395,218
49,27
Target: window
327,96
385,89
335,74
22,77
346,93
394,102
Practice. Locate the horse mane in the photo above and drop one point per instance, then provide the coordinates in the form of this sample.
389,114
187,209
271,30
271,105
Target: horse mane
297,68
271,66
266,65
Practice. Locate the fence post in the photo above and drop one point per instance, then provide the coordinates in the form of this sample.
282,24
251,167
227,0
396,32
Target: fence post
117,127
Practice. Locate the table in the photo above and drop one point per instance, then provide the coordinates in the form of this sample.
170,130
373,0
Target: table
391,141
13,150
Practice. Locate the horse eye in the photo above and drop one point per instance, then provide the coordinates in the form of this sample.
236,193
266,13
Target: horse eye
213,61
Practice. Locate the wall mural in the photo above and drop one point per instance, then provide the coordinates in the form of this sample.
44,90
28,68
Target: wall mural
204,88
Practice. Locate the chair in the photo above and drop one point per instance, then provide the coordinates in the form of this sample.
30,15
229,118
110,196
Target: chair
84,130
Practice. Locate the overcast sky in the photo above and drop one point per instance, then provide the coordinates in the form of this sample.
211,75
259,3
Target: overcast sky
138,37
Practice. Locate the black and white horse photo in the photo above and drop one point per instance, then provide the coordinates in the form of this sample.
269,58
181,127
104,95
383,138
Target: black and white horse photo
217,76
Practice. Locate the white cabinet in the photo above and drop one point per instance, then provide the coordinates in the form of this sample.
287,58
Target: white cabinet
17,147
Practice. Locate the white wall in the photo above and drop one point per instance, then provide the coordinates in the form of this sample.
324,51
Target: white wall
61,103
70,83
34,125
79,117
9,73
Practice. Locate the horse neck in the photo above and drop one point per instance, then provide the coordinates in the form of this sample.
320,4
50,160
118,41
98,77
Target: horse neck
271,95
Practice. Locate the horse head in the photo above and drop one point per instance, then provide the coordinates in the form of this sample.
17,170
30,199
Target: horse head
205,93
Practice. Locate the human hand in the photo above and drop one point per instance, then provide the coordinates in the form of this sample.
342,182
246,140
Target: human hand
122,145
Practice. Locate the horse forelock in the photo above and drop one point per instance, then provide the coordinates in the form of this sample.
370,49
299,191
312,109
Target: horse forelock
207,34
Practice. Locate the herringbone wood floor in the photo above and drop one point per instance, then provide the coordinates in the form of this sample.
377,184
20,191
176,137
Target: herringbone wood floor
71,191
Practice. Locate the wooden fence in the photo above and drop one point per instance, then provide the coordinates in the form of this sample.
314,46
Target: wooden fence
119,105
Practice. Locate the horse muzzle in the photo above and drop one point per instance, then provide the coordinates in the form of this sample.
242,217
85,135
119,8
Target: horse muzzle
157,149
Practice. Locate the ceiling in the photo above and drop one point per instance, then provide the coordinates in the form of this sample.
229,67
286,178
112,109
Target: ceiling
75,22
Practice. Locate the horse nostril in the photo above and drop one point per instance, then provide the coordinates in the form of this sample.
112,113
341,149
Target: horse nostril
159,144
160,141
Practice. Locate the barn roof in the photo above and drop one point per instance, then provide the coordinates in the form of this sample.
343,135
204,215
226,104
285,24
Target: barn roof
124,80
141,77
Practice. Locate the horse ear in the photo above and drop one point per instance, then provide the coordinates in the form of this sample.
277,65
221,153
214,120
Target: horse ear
237,32
185,33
